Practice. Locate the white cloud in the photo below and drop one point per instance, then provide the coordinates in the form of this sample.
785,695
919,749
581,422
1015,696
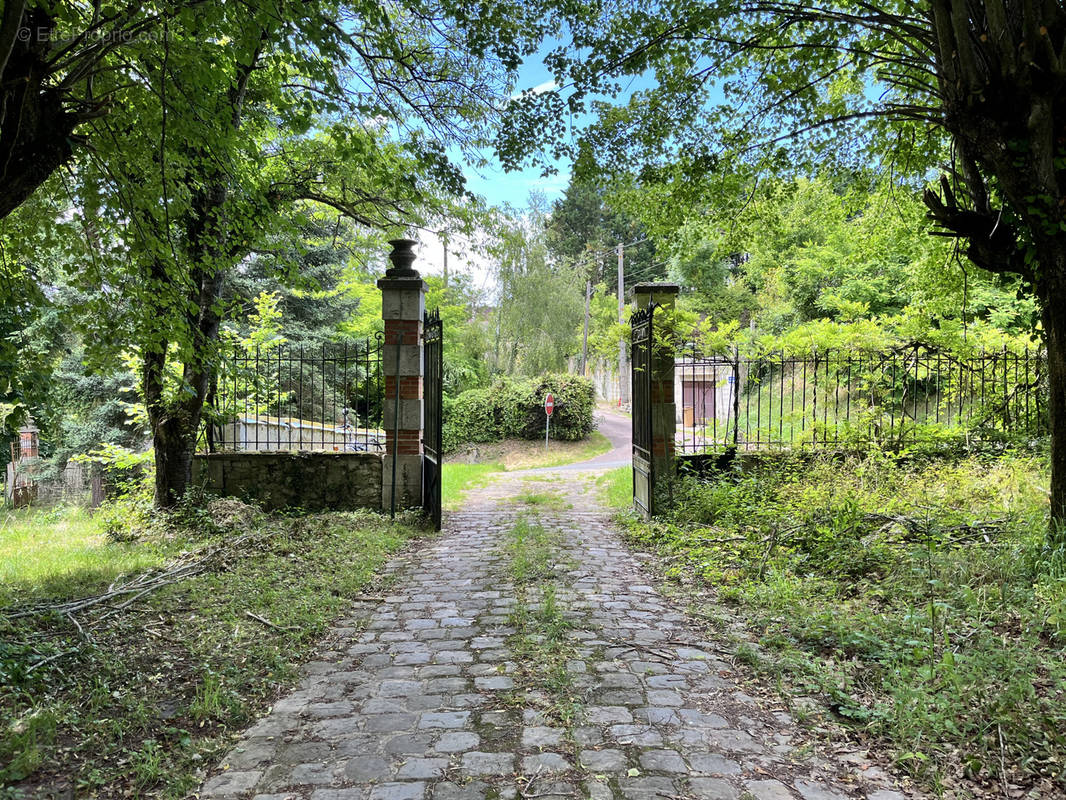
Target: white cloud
540,88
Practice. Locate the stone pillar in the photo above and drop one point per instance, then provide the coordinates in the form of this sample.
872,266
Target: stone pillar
403,304
663,406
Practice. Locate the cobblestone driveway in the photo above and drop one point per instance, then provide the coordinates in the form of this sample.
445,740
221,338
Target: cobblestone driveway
426,694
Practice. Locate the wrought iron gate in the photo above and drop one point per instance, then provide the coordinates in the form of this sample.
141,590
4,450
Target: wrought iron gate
641,372
433,337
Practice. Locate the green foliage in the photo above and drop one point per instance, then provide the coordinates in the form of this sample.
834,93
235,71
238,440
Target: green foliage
467,339
514,408
805,252
616,488
473,416
584,229
216,165
540,302
127,515
605,331
89,410
913,596
24,357
522,407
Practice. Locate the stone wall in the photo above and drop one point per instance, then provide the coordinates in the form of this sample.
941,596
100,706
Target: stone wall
315,481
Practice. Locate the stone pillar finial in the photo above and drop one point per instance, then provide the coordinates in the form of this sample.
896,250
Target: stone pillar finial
402,258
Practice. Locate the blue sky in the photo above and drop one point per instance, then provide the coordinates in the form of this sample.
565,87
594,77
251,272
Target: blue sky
498,186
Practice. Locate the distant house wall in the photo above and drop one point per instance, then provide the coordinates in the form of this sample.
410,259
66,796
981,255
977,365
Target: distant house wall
314,481
704,390
604,376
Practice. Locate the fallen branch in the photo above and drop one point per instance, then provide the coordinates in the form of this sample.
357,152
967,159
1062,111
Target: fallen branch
186,566
267,622
81,630
50,658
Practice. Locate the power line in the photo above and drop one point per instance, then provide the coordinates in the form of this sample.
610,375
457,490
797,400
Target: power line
605,251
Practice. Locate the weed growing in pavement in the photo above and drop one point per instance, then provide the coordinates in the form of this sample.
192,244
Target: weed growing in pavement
546,500
540,643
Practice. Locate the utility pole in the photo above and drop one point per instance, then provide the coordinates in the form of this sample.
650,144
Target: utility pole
585,334
444,241
623,382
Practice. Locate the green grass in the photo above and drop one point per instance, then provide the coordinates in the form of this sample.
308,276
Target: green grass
530,547
546,500
913,598
147,697
458,479
520,454
616,488
64,552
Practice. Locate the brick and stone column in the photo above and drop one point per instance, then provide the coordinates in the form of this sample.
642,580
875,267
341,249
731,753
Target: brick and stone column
663,406
403,303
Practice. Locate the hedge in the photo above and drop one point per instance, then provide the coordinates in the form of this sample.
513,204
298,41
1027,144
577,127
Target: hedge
514,408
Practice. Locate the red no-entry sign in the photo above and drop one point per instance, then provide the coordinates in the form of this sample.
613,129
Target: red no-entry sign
549,407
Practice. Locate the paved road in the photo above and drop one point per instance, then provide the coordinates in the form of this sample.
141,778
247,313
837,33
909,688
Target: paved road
448,689
618,428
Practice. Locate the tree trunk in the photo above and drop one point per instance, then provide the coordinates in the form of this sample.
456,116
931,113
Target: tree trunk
174,427
36,130
173,445
1053,302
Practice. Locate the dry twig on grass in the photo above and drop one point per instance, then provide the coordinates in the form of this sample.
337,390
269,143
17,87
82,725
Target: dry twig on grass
183,567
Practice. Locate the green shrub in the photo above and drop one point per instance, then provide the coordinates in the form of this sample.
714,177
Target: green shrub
473,416
514,408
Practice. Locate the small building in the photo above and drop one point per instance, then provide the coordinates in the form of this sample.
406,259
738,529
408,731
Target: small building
704,389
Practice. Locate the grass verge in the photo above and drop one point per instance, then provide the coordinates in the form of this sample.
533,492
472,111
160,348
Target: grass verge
910,602
65,551
458,479
138,703
616,488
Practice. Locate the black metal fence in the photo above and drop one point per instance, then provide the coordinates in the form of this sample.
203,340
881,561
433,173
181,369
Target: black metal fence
324,398
889,399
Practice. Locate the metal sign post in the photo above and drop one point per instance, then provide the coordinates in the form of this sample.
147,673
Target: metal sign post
549,407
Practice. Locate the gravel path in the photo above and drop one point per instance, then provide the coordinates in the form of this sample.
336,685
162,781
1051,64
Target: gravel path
451,687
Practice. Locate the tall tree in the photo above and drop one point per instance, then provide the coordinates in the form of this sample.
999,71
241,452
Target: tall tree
750,86
584,229
539,303
242,121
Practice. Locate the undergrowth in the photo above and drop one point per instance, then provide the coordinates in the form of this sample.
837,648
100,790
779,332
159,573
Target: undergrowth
915,601
138,703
